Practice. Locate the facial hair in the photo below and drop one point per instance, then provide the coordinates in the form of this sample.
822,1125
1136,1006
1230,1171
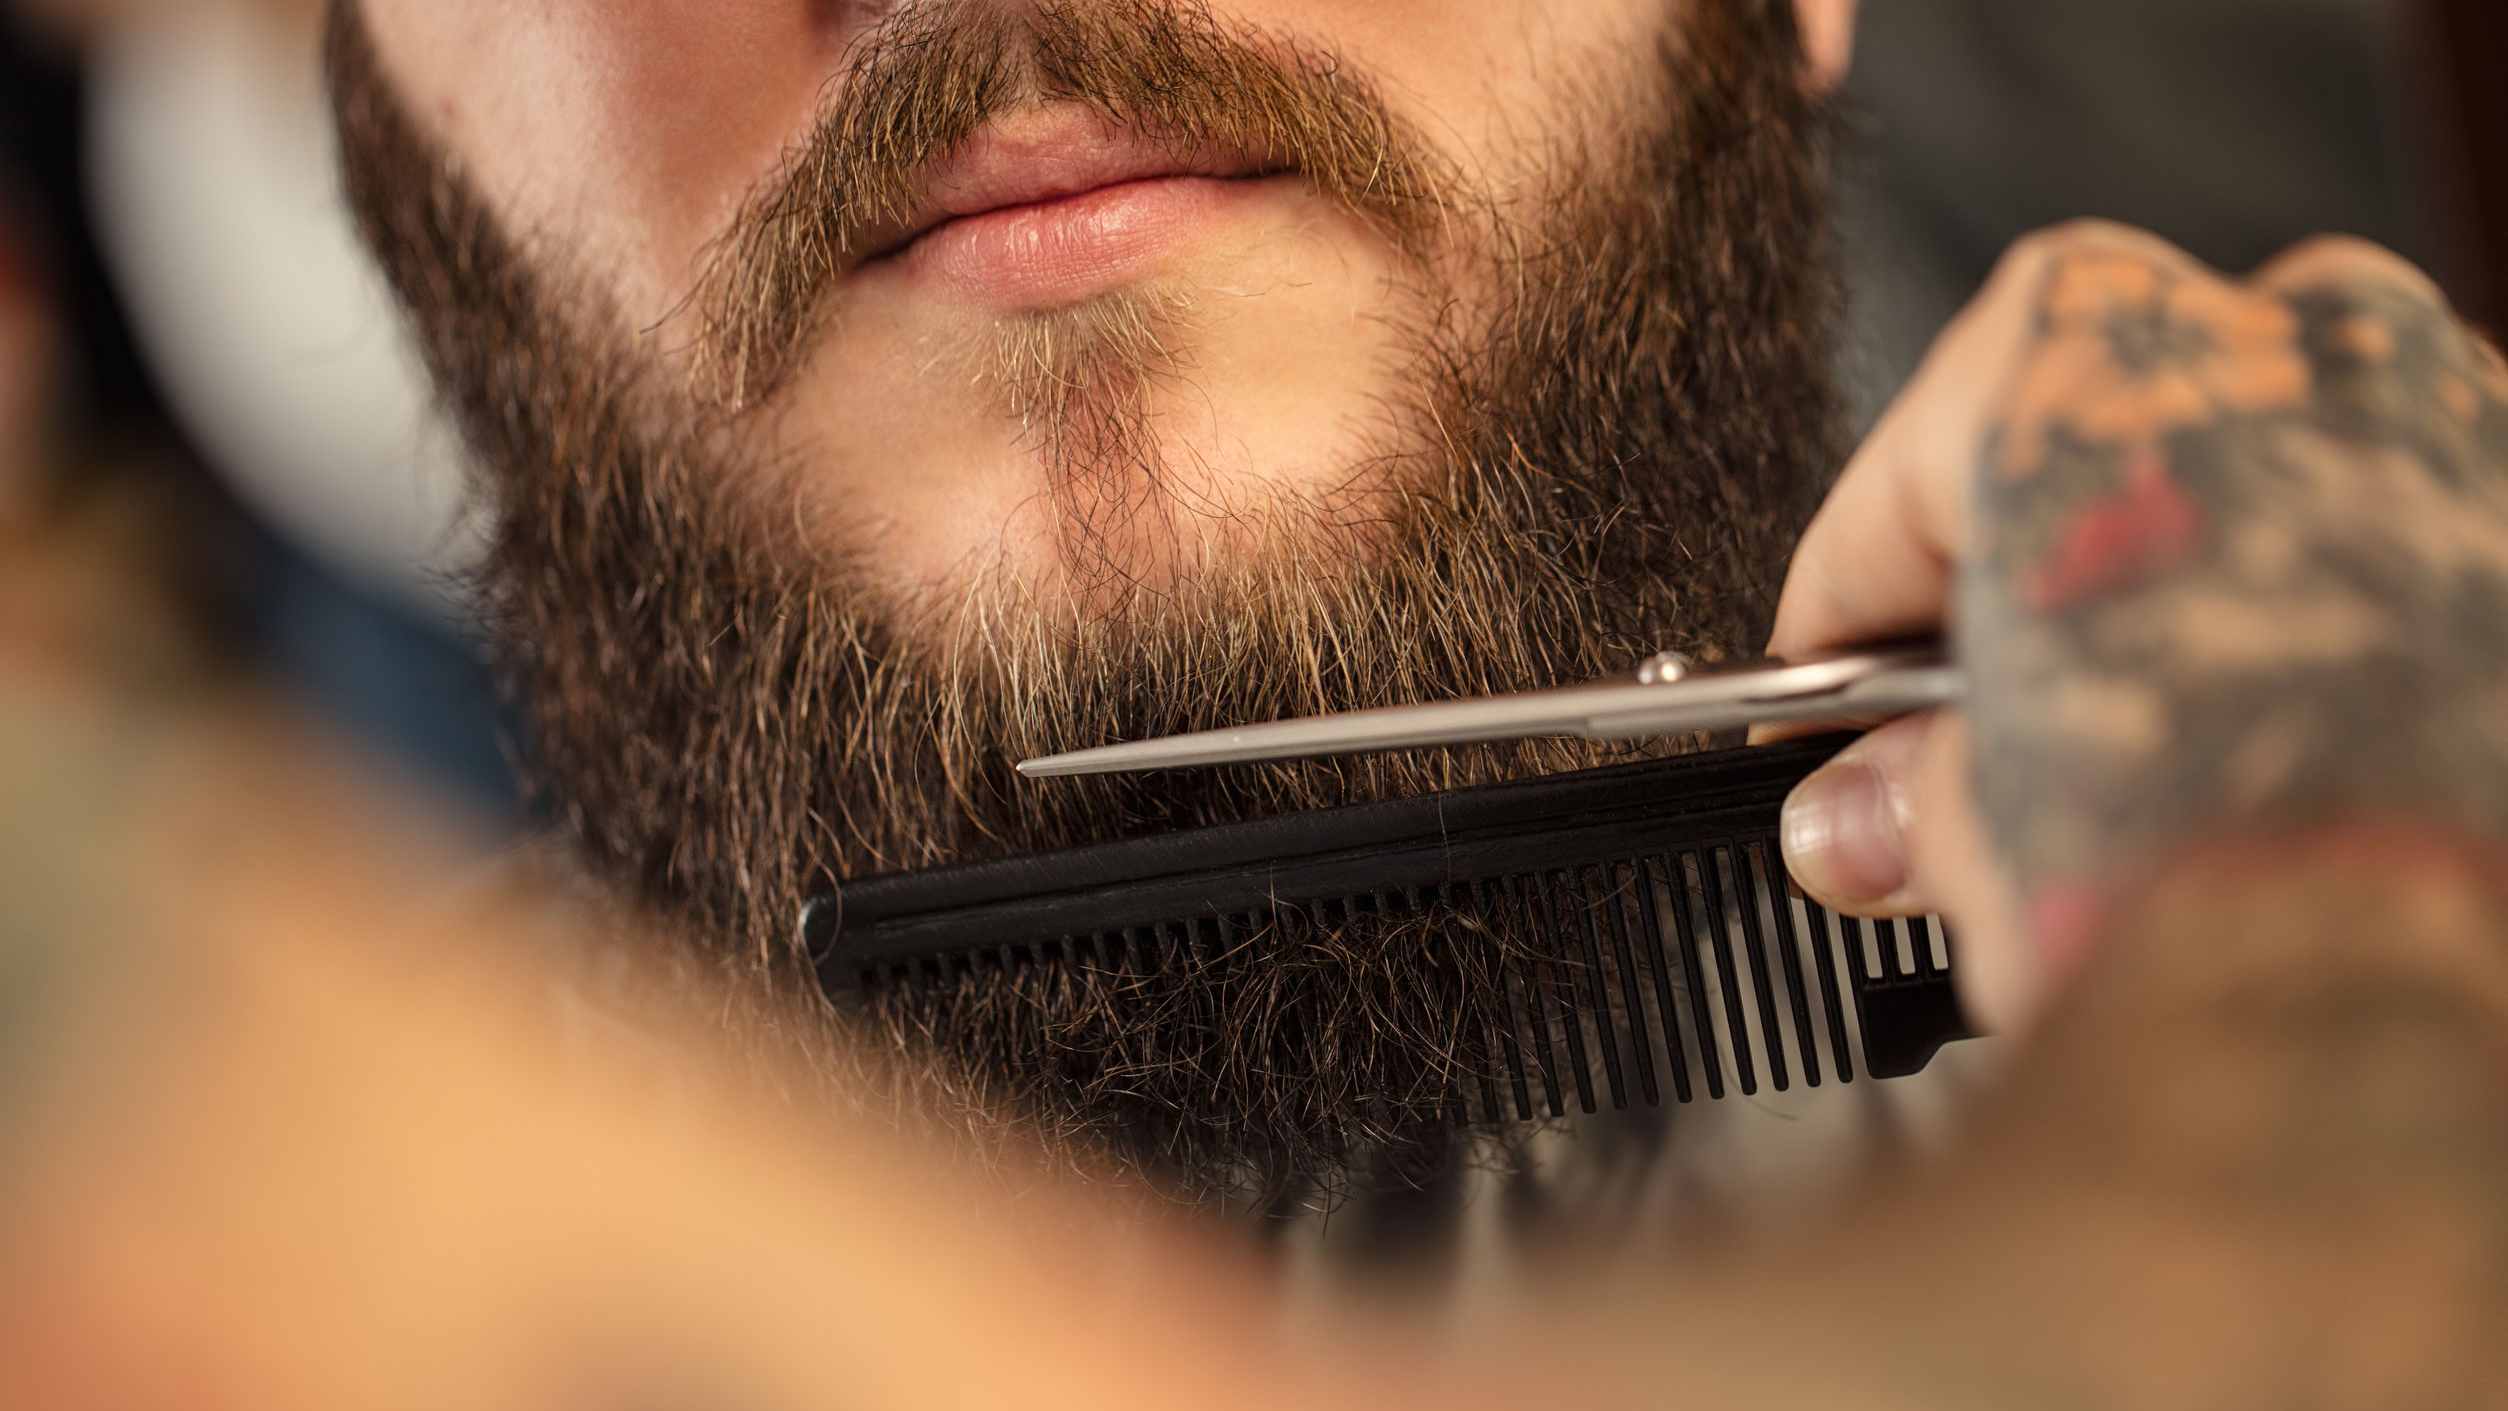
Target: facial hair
1613,462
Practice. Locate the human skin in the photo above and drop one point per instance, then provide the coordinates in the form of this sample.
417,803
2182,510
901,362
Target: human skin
617,141
2218,554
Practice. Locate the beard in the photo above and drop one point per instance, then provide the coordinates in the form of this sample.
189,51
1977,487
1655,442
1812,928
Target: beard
1612,458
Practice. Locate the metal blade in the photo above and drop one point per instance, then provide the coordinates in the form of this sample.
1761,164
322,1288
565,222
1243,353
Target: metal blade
1853,686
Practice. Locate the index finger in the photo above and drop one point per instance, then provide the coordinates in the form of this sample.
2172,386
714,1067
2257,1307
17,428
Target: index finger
1876,562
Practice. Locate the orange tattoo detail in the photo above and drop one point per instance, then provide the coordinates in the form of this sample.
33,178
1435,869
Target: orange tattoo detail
2233,546
2147,528
2086,288
2363,337
2231,351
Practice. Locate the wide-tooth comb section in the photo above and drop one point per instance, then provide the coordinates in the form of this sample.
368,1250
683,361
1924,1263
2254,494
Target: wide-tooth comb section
1726,984
1637,940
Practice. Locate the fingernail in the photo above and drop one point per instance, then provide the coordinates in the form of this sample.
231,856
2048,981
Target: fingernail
1841,835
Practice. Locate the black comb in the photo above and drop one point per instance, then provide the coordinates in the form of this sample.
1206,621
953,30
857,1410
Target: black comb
1668,954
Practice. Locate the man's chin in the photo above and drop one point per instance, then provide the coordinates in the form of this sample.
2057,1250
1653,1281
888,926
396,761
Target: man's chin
1037,546
1136,440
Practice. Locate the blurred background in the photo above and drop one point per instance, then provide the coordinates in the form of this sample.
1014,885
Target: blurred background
165,172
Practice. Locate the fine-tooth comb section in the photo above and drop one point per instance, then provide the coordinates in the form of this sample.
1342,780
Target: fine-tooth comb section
1640,940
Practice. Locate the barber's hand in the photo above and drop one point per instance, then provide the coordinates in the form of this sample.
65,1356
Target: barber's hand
2219,556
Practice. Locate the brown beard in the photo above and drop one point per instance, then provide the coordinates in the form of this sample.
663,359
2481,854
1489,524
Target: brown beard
1621,457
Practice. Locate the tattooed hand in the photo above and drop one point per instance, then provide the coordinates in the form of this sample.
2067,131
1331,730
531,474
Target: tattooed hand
2219,556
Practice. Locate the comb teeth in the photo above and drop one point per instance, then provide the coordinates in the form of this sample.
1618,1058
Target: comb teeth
1645,943
1697,972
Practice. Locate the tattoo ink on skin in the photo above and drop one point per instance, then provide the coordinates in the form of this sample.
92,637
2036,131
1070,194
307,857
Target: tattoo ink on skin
2244,563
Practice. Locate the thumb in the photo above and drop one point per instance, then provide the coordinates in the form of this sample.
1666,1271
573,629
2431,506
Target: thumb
1887,829
1847,827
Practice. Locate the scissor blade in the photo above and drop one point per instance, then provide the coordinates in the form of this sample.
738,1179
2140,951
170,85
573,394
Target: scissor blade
1871,684
1553,712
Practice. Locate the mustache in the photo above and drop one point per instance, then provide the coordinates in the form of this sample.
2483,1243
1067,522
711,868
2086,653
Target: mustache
933,75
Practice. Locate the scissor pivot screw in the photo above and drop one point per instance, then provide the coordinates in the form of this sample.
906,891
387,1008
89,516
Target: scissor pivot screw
1664,668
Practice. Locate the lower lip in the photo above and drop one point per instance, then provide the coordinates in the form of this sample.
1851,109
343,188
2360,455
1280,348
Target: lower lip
1059,252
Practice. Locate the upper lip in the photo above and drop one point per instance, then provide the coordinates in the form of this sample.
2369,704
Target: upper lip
1048,155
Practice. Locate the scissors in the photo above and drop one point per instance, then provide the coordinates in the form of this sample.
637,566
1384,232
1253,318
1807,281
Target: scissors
1667,695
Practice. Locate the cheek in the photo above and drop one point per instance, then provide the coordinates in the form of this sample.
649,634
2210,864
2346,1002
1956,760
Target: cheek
625,131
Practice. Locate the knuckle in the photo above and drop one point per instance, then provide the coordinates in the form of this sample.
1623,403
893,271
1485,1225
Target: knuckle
2334,247
2092,235
2341,262
2082,231
2040,249
2026,265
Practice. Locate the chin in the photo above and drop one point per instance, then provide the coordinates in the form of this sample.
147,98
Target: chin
1133,443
